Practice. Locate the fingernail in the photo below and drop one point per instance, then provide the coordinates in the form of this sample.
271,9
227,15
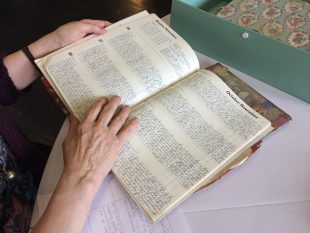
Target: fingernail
116,97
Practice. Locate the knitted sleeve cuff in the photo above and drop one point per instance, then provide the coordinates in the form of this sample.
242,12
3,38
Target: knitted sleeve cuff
8,91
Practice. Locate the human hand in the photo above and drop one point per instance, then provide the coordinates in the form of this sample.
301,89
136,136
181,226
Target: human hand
92,145
74,31
90,149
67,34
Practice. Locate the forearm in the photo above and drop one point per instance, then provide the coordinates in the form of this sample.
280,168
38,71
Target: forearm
21,70
68,207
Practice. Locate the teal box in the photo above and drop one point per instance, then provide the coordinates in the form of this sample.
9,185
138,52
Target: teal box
267,59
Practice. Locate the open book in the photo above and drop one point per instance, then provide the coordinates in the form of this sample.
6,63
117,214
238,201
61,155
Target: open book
193,127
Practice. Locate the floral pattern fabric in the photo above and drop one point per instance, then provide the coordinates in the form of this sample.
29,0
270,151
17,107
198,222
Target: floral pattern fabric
286,20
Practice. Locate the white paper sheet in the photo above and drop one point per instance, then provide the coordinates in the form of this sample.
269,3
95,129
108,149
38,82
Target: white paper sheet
277,218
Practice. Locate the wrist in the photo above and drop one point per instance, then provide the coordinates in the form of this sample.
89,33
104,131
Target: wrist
44,45
78,181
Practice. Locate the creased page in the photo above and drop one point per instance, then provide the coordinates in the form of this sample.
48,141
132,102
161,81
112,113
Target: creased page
134,60
187,134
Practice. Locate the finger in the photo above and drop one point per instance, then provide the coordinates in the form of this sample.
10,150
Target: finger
91,28
118,121
100,23
128,129
109,110
95,109
99,28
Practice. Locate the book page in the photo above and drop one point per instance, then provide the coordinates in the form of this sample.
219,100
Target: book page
187,134
134,60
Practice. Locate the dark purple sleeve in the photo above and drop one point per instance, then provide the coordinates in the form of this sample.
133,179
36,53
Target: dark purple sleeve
8,91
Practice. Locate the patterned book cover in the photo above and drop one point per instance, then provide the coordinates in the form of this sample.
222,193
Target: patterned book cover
54,95
255,100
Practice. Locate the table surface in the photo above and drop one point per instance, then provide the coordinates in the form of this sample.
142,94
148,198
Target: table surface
270,192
